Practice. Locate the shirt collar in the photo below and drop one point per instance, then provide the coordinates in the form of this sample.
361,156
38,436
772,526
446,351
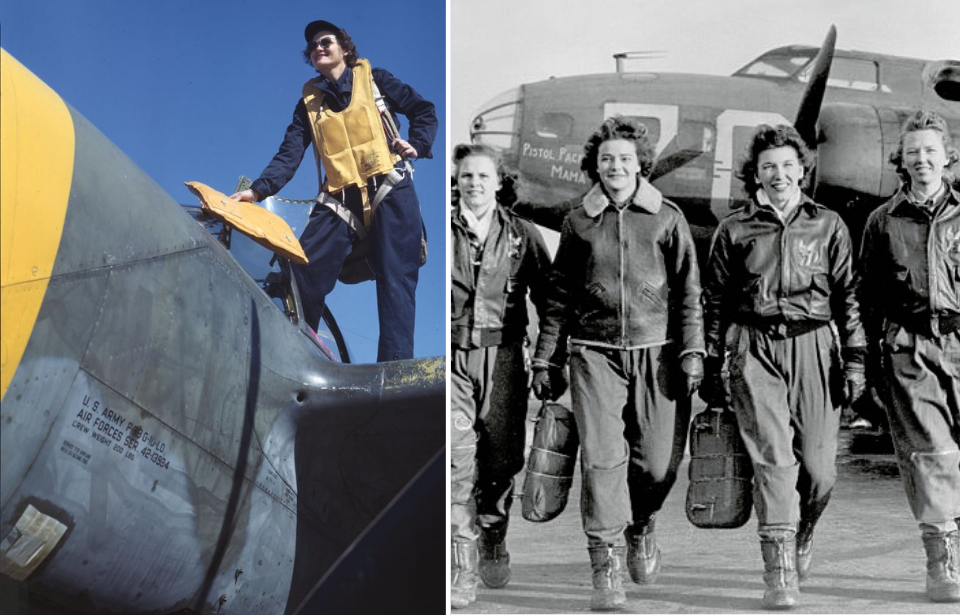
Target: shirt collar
761,202
465,218
343,84
905,198
787,211
764,199
474,221
646,197
921,202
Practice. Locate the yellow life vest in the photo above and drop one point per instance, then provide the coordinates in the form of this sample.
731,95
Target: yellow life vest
351,143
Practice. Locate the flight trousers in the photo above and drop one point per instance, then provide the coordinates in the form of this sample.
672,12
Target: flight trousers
923,387
488,411
395,247
780,391
632,436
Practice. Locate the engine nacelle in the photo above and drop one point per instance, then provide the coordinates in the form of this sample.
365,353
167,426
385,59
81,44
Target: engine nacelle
944,77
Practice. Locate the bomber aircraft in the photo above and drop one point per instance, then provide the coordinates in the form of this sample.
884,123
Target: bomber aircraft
848,105
172,441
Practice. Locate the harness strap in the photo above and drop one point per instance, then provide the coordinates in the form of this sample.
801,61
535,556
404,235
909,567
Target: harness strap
325,199
389,127
367,208
390,180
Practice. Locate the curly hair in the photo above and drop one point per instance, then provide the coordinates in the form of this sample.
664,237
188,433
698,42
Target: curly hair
618,127
923,119
346,43
771,137
507,194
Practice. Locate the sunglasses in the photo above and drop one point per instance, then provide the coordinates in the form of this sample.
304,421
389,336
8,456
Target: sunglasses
324,42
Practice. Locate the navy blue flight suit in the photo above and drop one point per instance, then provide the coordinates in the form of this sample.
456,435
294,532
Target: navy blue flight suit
395,231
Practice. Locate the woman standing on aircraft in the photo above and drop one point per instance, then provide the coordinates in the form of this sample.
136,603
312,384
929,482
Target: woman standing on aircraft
779,271
911,302
497,258
625,291
339,114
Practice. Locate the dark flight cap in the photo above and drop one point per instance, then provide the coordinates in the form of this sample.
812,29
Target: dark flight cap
317,26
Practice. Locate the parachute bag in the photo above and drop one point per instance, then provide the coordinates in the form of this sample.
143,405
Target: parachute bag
550,465
357,267
720,494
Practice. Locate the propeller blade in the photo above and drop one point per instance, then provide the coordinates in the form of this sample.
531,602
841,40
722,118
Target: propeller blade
809,110
671,163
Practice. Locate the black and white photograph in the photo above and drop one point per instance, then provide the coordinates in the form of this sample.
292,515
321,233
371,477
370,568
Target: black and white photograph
718,244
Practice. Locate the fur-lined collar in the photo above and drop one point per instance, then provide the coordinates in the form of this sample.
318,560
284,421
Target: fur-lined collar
646,197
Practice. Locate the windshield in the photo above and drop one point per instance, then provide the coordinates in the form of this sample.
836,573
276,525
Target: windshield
496,124
777,64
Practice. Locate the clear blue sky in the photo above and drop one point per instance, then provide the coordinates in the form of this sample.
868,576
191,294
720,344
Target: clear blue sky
203,90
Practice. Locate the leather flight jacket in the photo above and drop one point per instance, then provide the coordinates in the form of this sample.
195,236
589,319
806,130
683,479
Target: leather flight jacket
911,265
623,278
489,283
785,278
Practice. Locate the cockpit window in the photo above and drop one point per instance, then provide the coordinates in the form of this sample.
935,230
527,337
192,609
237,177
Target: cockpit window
552,125
496,123
776,64
851,74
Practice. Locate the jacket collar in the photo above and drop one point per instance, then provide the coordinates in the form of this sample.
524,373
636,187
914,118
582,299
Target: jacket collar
340,86
461,221
904,201
753,208
646,197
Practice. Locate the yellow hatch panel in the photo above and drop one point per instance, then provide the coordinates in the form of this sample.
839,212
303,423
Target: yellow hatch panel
263,226
37,144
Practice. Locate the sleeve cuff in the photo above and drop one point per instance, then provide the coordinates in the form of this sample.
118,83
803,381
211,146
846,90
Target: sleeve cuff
854,354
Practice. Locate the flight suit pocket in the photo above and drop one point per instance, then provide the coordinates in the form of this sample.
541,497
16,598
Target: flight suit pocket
936,485
653,295
605,499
